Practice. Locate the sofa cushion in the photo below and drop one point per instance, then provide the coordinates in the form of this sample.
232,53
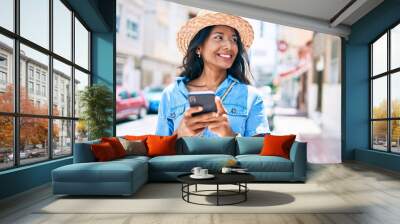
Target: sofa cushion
185,163
134,147
111,171
116,145
161,145
277,145
249,145
257,163
83,152
201,145
103,152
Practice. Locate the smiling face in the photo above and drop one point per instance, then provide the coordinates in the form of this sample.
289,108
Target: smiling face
220,48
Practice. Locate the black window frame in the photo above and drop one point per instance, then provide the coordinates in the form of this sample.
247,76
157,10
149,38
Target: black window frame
16,115
388,74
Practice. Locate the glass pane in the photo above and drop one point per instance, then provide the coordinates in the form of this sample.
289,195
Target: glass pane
6,142
62,29
33,139
62,89
7,14
81,45
379,55
34,97
35,21
379,98
379,135
395,94
395,136
62,141
81,131
395,47
81,81
6,74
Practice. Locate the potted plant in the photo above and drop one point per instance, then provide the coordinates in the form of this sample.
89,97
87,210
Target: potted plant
96,104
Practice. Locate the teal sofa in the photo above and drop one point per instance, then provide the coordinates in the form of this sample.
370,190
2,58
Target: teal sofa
125,176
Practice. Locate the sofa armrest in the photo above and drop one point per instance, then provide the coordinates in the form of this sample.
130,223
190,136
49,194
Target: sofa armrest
83,152
298,155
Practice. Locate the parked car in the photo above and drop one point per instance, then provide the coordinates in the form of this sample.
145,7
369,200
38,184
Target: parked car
130,104
153,97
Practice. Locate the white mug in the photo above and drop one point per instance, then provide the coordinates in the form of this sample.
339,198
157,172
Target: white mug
226,170
203,172
196,170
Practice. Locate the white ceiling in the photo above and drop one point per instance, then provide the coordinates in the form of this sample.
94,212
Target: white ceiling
315,15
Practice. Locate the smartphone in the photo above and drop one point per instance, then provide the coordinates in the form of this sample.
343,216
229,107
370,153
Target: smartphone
205,99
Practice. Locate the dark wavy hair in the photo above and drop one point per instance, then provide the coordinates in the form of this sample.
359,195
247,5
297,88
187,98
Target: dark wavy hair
192,65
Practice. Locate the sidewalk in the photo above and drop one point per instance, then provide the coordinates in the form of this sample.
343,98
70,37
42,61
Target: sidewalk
322,147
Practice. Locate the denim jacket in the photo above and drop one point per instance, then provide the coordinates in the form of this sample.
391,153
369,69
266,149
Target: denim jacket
243,104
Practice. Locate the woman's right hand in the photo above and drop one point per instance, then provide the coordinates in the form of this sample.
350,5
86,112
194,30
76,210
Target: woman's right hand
193,125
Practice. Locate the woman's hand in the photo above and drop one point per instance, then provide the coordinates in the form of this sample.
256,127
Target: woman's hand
193,125
220,123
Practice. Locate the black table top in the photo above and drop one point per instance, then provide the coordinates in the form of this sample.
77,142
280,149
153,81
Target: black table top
220,178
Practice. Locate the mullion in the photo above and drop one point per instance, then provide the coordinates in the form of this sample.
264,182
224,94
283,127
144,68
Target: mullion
16,84
371,96
41,49
73,80
389,127
17,39
50,87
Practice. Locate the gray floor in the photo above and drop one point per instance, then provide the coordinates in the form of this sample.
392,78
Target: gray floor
378,188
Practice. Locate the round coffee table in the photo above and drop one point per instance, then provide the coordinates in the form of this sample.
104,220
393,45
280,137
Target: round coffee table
238,179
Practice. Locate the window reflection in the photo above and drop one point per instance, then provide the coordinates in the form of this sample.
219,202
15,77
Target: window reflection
395,47
81,45
379,98
62,89
81,131
33,140
62,29
34,21
6,74
395,138
6,142
62,138
34,89
379,55
379,135
395,95
7,14
81,81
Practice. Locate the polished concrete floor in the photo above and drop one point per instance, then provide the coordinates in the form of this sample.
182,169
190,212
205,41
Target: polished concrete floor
378,189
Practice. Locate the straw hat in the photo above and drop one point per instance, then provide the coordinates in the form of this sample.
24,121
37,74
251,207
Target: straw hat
208,18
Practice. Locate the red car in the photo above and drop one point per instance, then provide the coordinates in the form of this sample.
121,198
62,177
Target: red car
130,104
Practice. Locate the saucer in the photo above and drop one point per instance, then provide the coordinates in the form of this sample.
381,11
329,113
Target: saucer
208,176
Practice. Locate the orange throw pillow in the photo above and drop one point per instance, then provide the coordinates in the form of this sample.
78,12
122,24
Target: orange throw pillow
136,137
277,145
103,151
161,145
116,145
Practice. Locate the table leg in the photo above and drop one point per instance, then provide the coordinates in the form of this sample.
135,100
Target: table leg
217,194
196,188
245,193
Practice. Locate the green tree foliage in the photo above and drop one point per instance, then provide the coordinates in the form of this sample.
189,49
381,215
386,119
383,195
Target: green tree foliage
96,102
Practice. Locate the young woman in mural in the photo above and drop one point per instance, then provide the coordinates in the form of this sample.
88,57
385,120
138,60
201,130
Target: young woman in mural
215,59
